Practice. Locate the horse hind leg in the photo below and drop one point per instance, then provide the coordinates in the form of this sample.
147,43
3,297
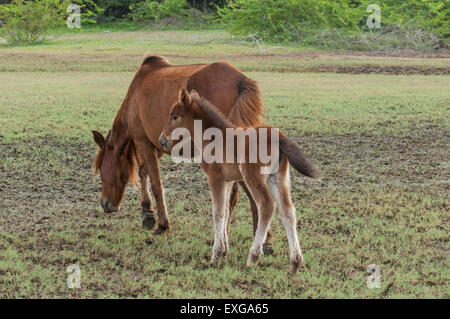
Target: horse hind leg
279,188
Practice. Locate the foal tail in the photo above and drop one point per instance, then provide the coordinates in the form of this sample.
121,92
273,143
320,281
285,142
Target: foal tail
297,158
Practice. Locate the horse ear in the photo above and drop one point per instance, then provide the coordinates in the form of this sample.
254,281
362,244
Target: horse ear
194,94
184,97
98,138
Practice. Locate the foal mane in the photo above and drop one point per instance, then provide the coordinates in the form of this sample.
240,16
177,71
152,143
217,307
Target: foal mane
212,113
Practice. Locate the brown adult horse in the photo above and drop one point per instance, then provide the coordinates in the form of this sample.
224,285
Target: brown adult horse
142,116
269,187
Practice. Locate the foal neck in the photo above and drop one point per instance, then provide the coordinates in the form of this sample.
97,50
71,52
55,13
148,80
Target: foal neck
210,115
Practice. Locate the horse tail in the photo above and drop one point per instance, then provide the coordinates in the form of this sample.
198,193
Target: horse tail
297,158
249,108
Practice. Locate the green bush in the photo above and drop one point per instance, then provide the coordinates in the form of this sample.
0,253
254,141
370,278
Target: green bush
283,20
170,13
155,11
90,11
428,15
114,10
287,20
28,21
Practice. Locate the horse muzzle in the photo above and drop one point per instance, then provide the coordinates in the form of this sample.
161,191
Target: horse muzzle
107,206
165,143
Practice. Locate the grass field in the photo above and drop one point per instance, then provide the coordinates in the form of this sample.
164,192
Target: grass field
377,126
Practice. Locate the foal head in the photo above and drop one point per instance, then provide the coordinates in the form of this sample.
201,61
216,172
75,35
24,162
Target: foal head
181,116
116,162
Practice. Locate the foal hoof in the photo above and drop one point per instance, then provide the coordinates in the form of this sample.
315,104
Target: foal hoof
148,220
295,265
267,250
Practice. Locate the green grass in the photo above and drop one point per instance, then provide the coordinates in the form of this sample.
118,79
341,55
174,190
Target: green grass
71,104
122,51
382,141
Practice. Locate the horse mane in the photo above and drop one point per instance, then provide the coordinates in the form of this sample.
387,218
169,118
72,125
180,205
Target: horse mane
148,58
132,158
98,160
212,113
249,108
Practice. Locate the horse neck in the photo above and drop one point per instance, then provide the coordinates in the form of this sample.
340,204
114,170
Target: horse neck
118,128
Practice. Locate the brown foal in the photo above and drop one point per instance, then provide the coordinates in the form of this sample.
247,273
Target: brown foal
268,187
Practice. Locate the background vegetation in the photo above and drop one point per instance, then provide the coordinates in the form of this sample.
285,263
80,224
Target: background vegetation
337,24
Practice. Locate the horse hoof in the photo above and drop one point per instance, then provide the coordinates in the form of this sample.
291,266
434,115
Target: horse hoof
267,250
162,230
148,220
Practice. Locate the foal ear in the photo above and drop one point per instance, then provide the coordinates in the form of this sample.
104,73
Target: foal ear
194,94
184,97
98,138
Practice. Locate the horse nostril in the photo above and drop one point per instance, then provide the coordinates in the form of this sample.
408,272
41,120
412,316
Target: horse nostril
105,203
108,207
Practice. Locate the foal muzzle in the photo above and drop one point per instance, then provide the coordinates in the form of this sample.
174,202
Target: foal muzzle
164,141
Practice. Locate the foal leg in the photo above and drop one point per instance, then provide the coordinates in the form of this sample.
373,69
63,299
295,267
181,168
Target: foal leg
257,186
267,247
279,187
148,212
220,195
234,196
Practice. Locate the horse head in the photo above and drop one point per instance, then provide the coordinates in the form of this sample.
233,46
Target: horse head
115,161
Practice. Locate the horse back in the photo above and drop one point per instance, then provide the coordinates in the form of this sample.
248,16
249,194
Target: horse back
156,86
219,83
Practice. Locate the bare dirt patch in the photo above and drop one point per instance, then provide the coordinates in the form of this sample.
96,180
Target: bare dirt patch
380,69
128,62
55,177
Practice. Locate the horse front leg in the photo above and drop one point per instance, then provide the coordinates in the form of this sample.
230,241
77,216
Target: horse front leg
151,157
148,212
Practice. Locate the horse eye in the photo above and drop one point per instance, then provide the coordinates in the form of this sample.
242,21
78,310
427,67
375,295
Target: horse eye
174,117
